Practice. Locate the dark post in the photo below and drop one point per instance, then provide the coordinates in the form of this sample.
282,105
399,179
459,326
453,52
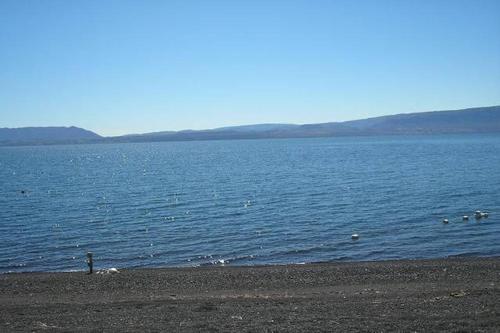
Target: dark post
90,262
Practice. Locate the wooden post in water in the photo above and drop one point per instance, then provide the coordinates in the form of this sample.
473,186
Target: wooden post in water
90,262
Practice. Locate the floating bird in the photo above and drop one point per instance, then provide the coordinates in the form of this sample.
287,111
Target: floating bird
478,214
445,221
465,218
355,236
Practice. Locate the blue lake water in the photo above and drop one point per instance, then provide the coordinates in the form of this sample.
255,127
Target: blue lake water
248,202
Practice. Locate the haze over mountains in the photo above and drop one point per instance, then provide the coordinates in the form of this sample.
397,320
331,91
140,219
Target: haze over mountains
473,120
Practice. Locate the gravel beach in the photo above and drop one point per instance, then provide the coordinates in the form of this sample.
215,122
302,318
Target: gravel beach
452,295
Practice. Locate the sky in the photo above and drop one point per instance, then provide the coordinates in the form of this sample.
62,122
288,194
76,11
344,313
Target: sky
120,67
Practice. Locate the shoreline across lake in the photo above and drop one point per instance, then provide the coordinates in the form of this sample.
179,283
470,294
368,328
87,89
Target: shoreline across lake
455,294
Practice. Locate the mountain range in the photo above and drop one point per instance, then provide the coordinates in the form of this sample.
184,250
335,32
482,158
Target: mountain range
46,135
472,120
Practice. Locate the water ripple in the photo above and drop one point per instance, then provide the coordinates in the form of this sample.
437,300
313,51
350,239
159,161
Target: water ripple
248,202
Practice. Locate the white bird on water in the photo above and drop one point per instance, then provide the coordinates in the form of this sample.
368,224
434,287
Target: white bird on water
479,214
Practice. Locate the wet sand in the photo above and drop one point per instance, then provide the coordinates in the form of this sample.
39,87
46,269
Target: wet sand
449,295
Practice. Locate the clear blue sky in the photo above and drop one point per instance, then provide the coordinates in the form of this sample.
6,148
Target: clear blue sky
120,67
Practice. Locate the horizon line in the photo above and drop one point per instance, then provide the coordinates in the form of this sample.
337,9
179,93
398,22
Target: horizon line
251,124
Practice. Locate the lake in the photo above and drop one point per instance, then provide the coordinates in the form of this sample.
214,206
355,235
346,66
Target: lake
248,202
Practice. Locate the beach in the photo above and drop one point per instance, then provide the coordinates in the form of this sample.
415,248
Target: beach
408,295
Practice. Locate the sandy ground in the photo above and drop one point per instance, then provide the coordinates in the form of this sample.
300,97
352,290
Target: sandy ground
449,295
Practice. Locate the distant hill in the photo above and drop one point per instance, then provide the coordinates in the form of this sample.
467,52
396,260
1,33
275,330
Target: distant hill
473,120
257,128
486,119
46,135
